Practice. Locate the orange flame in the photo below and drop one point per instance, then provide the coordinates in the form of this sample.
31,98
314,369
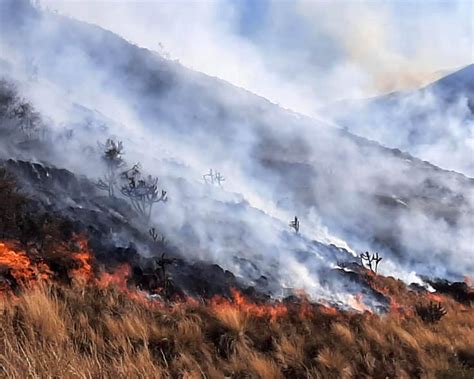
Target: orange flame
306,310
435,297
394,306
118,278
272,311
83,273
329,310
20,267
26,272
357,303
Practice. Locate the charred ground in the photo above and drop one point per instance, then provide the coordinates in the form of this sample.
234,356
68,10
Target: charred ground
46,210
69,292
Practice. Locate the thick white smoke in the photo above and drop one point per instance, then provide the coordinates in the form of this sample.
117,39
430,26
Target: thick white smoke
277,164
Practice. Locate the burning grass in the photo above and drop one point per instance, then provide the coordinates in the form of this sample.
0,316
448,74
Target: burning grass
79,321
100,330
62,315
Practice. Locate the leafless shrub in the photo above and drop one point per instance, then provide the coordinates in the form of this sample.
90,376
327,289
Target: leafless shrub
162,262
431,313
112,152
295,224
214,177
372,261
142,191
22,120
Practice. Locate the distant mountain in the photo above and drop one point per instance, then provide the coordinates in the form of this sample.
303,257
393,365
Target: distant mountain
349,193
456,85
435,123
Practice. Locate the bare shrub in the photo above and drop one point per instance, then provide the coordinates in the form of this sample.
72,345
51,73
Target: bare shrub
431,313
142,191
112,155
295,224
20,119
371,260
213,177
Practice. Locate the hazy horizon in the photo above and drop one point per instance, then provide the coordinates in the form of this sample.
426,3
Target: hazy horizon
300,54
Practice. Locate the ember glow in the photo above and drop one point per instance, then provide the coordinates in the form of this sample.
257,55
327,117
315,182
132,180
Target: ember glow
27,271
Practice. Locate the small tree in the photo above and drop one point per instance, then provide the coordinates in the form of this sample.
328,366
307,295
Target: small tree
29,122
162,262
372,261
112,152
142,191
19,118
295,224
213,177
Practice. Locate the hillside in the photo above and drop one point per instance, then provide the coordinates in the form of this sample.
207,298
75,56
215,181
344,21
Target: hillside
435,123
158,222
277,164
74,304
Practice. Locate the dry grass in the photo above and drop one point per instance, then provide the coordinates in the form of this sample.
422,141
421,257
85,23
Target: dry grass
83,328
57,331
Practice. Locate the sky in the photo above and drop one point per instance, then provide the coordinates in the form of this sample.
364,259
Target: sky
299,54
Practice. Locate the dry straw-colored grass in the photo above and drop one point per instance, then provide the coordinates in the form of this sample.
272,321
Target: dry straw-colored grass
64,332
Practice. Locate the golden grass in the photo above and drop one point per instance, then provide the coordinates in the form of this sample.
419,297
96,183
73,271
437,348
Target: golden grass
71,332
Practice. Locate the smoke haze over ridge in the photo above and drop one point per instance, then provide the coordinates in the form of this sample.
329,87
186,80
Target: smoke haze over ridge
305,55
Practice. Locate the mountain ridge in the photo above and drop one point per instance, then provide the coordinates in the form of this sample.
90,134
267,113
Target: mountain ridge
434,123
